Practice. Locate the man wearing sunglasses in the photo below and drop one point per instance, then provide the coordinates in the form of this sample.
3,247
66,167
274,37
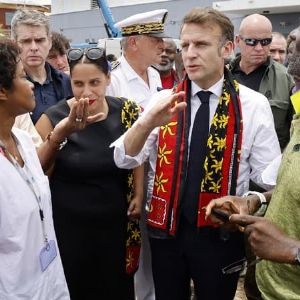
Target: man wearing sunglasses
257,70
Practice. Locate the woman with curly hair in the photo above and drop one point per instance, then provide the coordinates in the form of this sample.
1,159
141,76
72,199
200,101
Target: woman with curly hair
30,264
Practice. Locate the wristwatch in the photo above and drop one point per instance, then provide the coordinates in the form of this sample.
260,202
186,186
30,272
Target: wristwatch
263,203
297,258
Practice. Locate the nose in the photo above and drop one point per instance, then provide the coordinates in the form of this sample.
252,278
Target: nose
86,91
276,56
190,51
31,85
164,53
33,46
258,47
60,60
161,44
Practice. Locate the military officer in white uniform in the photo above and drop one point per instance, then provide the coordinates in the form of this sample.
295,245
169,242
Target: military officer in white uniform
134,77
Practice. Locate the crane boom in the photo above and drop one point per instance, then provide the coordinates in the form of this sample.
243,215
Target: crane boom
111,30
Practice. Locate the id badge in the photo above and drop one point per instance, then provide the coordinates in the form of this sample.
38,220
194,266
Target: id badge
47,255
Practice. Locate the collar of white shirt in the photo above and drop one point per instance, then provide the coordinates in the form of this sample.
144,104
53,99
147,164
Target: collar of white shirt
130,73
216,89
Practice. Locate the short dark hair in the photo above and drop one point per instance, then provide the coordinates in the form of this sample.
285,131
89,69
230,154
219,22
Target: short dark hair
59,43
9,58
205,15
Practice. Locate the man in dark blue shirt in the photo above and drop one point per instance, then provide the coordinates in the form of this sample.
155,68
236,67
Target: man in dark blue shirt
31,30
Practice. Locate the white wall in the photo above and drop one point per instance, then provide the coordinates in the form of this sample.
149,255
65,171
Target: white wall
64,6
67,6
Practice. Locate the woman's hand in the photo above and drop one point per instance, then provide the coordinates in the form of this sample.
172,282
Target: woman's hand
135,208
78,118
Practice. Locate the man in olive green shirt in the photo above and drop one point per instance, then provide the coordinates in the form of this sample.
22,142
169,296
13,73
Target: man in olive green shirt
276,237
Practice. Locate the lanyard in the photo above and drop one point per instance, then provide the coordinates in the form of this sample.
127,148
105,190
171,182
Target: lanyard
28,177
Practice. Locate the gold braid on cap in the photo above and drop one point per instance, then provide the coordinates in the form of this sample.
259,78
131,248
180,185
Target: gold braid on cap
154,27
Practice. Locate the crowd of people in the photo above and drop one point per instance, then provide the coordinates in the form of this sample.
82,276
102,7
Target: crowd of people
147,177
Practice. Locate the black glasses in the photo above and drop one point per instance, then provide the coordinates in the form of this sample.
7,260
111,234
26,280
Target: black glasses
254,42
91,53
240,265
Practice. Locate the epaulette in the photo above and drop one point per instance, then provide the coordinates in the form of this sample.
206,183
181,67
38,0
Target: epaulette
115,64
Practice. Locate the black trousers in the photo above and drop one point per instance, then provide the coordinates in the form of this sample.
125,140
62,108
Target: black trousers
197,254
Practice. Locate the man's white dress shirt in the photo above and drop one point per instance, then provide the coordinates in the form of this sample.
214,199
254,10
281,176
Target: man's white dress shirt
259,141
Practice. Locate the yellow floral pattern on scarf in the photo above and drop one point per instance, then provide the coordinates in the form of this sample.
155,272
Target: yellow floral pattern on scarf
216,144
129,114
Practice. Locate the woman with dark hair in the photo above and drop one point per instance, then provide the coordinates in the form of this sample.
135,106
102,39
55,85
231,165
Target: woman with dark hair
30,264
99,245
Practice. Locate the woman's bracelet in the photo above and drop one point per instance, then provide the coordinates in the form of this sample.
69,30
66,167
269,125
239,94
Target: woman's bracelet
59,145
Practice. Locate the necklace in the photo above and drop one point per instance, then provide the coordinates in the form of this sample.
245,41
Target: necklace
10,154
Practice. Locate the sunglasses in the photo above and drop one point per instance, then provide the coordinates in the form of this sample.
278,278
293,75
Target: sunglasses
254,42
91,53
240,265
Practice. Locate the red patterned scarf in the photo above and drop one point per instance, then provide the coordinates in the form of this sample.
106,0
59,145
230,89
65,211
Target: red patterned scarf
221,163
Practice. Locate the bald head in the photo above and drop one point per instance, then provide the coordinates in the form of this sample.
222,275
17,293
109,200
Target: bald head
256,24
255,36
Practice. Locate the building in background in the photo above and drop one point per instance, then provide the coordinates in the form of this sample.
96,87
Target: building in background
8,8
81,21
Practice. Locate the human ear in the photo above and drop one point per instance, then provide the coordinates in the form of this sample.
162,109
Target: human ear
227,49
3,94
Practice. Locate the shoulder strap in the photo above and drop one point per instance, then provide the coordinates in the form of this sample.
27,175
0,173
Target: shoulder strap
115,64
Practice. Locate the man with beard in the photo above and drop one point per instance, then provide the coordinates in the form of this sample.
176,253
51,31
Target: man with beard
258,71
165,68
276,237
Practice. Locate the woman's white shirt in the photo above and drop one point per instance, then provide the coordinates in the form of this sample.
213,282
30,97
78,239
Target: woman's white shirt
21,234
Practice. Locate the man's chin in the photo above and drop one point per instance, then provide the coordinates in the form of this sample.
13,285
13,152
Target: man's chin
164,68
33,63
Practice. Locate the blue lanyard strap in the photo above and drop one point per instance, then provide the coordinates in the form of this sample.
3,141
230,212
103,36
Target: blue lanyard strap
28,177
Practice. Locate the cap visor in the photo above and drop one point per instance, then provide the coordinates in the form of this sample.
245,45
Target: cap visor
158,35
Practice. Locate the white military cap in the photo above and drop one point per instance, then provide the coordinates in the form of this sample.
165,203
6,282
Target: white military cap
149,23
